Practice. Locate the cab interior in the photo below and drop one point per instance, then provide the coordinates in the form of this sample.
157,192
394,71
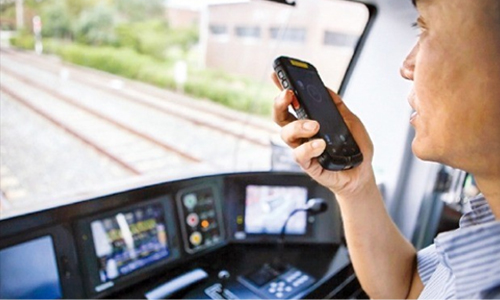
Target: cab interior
210,225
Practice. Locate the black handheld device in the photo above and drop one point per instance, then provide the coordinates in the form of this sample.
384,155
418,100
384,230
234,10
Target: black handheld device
315,103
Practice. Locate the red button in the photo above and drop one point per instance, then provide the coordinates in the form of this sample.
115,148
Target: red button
295,103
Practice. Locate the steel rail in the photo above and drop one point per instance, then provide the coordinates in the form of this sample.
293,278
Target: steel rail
101,116
187,117
74,133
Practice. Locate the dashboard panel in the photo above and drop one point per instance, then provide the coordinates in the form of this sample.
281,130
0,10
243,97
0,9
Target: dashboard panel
278,196
40,262
126,244
122,244
201,217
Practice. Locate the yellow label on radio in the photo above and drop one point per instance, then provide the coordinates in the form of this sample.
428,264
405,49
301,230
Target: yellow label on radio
299,64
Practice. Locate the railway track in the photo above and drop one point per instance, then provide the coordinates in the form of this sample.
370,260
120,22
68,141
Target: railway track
91,127
134,127
239,125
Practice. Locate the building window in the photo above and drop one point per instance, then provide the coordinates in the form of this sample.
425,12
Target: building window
339,39
288,34
248,32
218,29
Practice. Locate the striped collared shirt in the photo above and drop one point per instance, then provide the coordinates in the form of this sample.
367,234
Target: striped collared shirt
464,263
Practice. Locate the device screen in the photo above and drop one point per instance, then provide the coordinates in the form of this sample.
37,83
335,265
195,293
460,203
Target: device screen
29,271
319,105
268,207
128,241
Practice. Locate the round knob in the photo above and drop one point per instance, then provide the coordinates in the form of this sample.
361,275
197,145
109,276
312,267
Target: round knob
223,275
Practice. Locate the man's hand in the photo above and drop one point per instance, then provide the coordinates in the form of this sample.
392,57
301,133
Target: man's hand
296,134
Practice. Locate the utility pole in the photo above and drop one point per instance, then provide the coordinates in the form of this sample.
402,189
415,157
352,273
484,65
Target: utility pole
19,14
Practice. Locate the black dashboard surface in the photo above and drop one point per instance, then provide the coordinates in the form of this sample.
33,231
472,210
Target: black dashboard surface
179,236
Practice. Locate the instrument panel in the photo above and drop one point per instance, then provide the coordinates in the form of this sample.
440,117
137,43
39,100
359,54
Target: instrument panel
199,208
126,242
109,245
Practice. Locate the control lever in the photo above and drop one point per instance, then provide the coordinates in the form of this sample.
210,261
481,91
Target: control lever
219,290
223,277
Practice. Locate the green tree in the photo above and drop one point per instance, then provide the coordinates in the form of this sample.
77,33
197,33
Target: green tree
56,20
140,10
77,7
147,37
95,26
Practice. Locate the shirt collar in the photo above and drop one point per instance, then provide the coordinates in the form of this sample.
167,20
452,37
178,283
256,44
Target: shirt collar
472,253
480,213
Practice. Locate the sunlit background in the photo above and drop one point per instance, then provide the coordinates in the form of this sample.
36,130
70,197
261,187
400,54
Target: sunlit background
98,95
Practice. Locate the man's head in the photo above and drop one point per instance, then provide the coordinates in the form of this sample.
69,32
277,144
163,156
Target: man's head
455,66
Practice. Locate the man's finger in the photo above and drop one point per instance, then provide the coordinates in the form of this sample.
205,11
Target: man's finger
276,80
281,115
306,154
295,133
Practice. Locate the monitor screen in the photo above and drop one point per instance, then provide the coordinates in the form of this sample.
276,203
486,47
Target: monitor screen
268,207
29,271
127,241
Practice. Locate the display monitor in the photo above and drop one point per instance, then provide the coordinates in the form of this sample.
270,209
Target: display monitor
128,241
29,271
268,207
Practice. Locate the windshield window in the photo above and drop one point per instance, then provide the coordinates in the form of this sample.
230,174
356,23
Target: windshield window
100,95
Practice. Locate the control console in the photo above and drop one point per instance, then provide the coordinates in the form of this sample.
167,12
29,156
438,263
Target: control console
272,282
201,217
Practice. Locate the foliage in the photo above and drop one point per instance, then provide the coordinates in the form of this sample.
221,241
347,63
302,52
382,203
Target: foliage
184,38
8,16
8,13
131,38
140,10
145,37
23,40
95,26
77,7
228,90
58,22
154,37
231,91
124,62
